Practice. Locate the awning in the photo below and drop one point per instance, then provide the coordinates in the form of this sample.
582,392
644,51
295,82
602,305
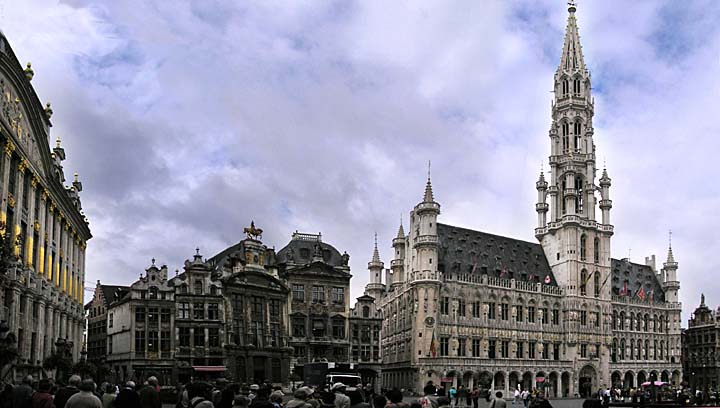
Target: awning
209,369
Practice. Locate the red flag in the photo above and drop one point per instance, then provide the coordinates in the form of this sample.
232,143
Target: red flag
433,346
641,293
547,279
624,290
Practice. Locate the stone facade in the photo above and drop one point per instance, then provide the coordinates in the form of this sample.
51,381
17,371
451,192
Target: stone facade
468,307
701,350
96,315
365,324
42,292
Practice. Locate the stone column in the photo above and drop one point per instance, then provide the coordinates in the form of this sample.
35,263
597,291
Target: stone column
69,262
32,222
19,187
62,329
6,160
40,267
40,350
56,241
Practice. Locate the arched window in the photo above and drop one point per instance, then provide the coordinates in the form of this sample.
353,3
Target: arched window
662,346
639,349
622,349
614,351
579,197
646,356
622,320
566,136
632,349
565,87
583,245
637,322
366,311
632,321
596,284
596,250
646,319
655,350
577,133
614,320
562,197
576,86
583,282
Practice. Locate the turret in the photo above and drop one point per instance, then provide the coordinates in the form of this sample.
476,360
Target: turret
671,285
397,265
605,201
541,207
424,235
375,288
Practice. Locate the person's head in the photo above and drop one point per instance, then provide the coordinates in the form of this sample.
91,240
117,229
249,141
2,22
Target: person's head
275,397
338,387
429,389
87,385
355,395
44,385
301,393
28,380
379,401
152,381
198,389
327,397
74,380
443,401
498,394
130,384
109,388
394,395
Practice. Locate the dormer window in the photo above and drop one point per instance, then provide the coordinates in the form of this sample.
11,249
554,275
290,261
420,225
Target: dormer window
153,292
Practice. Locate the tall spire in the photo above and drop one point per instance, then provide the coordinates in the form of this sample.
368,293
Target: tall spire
376,254
670,257
572,58
428,188
401,231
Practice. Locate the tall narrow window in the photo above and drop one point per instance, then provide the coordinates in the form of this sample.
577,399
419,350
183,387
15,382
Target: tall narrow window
566,136
596,284
565,87
596,250
578,131
583,246
579,202
583,282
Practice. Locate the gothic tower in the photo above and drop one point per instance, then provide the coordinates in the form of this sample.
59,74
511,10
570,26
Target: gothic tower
575,243
375,288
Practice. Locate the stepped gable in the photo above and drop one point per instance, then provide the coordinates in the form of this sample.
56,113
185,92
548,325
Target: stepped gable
635,274
467,251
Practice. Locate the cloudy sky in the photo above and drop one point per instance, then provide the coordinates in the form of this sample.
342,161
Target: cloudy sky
188,119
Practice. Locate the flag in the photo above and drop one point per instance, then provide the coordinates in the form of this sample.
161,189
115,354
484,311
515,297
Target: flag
433,345
624,290
547,279
641,293
650,295
588,278
605,281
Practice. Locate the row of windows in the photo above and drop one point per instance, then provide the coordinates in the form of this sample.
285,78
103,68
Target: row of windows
619,352
359,353
639,322
503,310
318,329
500,349
198,311
337,295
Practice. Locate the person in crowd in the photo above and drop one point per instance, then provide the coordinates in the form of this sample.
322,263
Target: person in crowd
498,401
341,400
452,395
356,399
108,397
300,398
65,393
327,399
200,394
426,401
276,399
227,397
443,402
42,398
262,398
150,395
379,401
127,397
22,393
395,399
85,397
475,396
460,396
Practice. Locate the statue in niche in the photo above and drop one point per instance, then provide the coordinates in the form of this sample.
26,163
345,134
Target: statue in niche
345,258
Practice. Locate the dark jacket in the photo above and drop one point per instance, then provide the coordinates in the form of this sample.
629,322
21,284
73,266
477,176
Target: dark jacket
127,398
42,400
63,395
22,396
149,397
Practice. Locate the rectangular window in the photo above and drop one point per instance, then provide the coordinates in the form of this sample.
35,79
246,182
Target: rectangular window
504,308
184,337
199,311
476,309
461,307
444,346
298,292
365,335
531,314
164,315
444,305
519,351
338,328
531,350
318,294
199,337
583,317
338,295
476,348
583,350
491,349
198,287
139,315
184,310
140,341
504,349
556,351
518,314
555,317
597,319
153,316
109,345
153,342
214,337
165,341
274,305
545,316
597,351
300,351
491,310
462,347
355,331
110,320
213,311
546,351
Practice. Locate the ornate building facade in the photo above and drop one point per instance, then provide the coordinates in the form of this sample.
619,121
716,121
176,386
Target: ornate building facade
96,315
468,307
701,351
42,294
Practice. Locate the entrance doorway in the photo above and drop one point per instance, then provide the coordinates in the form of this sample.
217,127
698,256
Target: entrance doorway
586,382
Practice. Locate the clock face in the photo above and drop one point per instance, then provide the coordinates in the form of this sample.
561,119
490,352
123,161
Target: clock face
429,321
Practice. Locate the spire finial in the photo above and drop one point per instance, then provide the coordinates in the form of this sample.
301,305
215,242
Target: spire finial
669,238
670,256
153,261
57,142
428,170
401,231
572,7
428,198
376,254
197,250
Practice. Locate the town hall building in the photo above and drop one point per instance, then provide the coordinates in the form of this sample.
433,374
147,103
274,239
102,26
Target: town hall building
465,307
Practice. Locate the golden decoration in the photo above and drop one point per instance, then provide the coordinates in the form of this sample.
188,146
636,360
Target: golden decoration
34,181
36,226
11,200
9,148
22,166
46,236
44,195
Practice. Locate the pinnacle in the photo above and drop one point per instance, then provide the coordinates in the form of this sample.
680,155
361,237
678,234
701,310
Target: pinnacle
401,231
376,255
572,58
428,192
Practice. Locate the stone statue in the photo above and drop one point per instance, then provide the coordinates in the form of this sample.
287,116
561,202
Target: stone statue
345,258
290,257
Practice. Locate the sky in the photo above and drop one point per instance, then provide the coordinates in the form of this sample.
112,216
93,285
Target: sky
188,119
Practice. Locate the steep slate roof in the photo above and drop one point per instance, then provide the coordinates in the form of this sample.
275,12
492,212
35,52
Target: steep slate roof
303,252
109,292
462,250
636,275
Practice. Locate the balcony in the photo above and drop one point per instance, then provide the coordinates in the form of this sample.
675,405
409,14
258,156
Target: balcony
426,240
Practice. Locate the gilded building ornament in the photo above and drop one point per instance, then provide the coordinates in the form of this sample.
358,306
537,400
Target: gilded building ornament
11,200
34,181
36,226
9,148
22,166
44,195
